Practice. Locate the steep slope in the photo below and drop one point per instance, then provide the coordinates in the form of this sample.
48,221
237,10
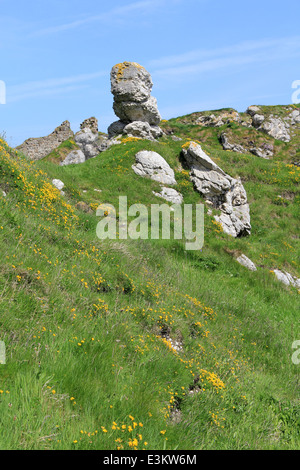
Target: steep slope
140,344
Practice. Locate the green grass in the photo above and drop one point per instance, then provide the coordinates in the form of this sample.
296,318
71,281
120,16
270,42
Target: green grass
89,365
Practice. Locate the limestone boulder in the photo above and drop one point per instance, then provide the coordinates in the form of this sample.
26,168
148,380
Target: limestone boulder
286,278
143,130
74,157
152,165
246,262
275,127
220,191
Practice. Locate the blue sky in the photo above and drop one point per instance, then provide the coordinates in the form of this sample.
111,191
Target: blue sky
56,57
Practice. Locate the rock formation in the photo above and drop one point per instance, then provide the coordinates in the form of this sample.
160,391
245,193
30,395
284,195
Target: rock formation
37,148
89,141
136,109
220,191
264,150
273,126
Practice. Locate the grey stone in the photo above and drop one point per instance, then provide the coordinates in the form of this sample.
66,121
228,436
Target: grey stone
257,120
145,111
265,151
90,123
130,82
170,195
85,136
151,164
295,117
40,147
58,184
116,128
231,146
246,262
197,158
74,157
252,110
276,128
131,87
142,130
220,190
287,279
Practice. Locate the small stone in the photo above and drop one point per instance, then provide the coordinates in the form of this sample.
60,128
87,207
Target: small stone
58,184
246,262
170,195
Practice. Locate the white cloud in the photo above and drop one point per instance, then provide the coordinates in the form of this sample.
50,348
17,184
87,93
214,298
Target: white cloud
140,7
204,60
50,86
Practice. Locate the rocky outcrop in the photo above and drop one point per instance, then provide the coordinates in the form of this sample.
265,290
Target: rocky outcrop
152,165
218,119
220,191
265,150
231,146
273,126
131,87
89,141
37,148
276,128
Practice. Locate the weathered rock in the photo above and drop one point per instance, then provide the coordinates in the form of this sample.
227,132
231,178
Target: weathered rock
170,195
142,130
130,82
231,146
37,148
145,111
131,87
257,120
217,121
89,140
210,121
90,123
295,117
246,262
116,128
152,165
74,157
252,110
220,190
286,278
264,151
85,136
58,184
276,128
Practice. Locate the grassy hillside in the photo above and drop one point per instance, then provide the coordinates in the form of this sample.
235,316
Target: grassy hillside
123,344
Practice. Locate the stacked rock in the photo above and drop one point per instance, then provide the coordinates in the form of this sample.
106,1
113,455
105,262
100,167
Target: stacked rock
131,87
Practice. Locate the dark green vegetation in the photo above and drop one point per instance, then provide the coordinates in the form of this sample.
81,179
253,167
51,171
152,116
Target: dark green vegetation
90,326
